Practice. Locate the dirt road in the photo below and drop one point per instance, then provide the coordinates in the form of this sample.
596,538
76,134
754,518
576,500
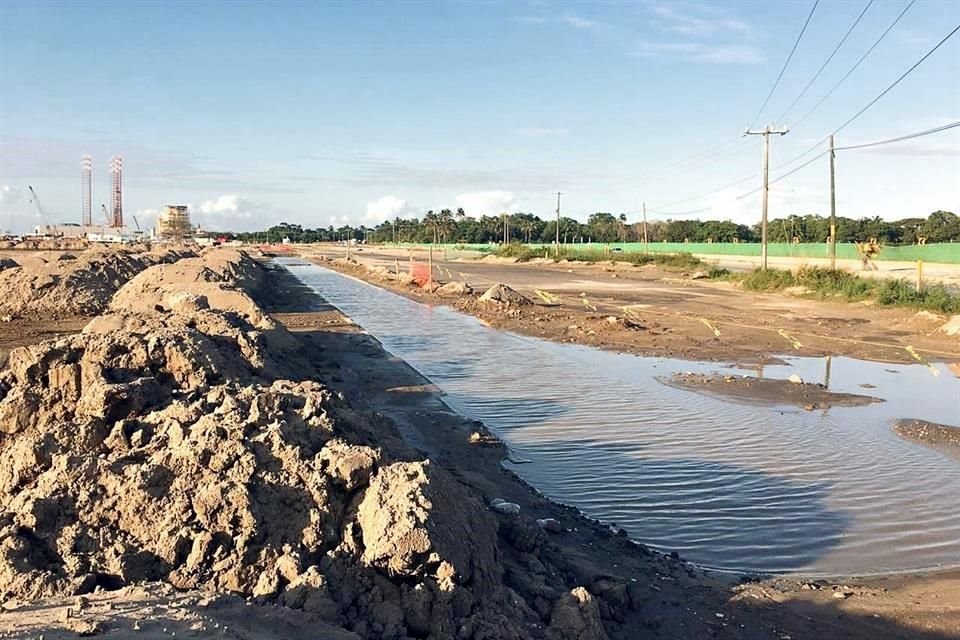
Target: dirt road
675,315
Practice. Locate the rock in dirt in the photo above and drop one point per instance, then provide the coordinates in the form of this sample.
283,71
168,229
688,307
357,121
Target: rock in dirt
403,535
504,295
576,616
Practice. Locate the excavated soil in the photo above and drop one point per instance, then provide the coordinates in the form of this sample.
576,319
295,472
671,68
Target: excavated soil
60,284
167,442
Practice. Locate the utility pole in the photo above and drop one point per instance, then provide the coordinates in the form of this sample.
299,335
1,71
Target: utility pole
765,189
557,252
506,235
645,247
833,210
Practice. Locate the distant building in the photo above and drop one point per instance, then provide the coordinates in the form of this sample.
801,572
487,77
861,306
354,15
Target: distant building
92,232
173,223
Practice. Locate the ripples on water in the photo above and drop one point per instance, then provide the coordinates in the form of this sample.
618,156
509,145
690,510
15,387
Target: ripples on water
726,485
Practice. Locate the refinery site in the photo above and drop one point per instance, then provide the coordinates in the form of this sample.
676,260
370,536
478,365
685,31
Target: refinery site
172,224
447,320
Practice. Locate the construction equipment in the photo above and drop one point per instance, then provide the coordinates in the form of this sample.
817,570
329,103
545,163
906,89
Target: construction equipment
35,199
107,218
139,230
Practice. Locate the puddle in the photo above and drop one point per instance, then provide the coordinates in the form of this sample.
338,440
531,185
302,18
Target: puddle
726,485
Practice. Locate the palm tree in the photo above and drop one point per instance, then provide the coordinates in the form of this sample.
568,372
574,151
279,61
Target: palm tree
445,222
431,219
623,228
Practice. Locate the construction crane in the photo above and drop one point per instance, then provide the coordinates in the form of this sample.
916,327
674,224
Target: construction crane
107,219
138,224
35,199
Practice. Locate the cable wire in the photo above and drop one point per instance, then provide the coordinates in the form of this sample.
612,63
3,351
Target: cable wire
827,61
857,64
909,136
785,64
706,193
874,101
864,145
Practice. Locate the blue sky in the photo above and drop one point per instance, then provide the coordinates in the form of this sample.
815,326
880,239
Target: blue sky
333,112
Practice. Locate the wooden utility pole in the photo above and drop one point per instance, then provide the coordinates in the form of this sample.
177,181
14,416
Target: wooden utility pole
506,235
557,251
645,247
430,267
765,189
833,209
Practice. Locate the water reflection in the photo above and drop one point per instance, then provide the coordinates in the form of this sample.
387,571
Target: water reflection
726,485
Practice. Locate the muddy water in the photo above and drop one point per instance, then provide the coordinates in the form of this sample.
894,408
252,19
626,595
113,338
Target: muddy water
728,486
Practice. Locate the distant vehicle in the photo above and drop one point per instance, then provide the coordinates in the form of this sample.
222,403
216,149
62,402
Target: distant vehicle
617,249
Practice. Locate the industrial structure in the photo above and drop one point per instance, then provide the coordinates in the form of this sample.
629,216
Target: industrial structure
173,223
86,174
116,191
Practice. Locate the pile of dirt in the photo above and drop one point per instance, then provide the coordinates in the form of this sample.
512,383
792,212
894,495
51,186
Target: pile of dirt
454,289
162,445
503,294
74,284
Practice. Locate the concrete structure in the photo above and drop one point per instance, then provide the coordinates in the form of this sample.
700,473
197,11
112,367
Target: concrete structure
174,222
116,191
86,176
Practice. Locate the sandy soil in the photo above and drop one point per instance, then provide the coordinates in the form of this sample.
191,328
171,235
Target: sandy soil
638,593
670,314
766,391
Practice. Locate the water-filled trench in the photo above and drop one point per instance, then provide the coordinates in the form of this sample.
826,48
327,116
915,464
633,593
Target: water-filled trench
728,486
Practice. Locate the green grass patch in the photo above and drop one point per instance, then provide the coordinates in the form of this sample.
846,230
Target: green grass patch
524,253
838,284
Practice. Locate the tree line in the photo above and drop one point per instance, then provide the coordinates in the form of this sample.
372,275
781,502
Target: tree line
454,226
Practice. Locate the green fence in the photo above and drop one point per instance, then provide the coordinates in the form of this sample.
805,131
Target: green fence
948,253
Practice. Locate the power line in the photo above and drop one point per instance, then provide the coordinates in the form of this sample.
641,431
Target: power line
785,64
857,64
909,136
827,61
707,193
874,101
864,145
679,213
897,81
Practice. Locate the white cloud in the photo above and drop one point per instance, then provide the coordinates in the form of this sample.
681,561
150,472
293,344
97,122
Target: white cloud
227,206
231,212
670,17
539,132
385,208
530,19
487,202
580,23
699,52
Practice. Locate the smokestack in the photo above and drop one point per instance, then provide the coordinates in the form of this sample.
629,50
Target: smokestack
116,191
86,175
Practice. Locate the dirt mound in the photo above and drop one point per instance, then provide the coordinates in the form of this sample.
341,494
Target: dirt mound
84,285
454,289
221,279
158,446
952,326
505,295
